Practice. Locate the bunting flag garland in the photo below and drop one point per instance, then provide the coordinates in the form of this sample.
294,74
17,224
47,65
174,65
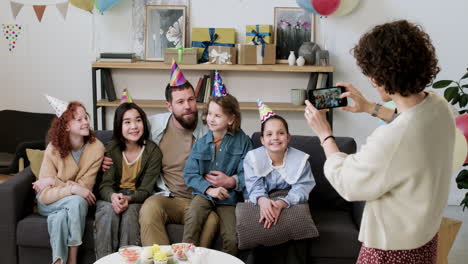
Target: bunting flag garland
39,9
11,32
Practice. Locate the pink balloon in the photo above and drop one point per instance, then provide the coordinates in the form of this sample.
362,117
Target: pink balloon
325,7
461,122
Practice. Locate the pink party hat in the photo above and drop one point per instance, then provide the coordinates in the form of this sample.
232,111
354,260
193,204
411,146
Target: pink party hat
177,78
126,98
218,87
58,105
264,110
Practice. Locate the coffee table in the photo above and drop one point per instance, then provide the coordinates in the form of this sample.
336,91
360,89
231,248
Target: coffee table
212,257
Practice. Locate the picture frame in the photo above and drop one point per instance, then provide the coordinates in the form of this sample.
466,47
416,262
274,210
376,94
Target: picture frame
293,26
165,28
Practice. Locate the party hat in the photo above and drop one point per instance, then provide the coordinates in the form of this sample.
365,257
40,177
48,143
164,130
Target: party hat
264,110
177,78
126,98
58,105
218,87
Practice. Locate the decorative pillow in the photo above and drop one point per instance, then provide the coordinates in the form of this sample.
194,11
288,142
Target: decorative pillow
294,223
35,157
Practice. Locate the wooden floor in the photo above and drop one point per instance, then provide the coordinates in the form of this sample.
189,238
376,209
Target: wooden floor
4,177
459,252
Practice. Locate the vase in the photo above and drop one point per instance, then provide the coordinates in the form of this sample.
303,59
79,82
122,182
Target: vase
300,61
308,50
291,58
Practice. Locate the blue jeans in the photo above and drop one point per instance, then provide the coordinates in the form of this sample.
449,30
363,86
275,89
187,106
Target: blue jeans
65,223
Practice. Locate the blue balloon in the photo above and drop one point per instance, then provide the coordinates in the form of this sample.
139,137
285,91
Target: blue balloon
104,5
306,5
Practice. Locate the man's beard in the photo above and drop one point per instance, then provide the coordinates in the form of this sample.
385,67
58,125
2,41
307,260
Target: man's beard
187,124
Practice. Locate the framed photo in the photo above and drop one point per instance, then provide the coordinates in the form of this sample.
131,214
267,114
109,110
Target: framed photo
165,28
293,26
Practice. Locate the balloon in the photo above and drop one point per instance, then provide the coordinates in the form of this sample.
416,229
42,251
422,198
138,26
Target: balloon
462,123
103,5
86,5
346,6
325,7
306,5
460,151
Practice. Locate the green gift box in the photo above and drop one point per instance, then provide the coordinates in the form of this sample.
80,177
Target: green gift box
254,32
203,38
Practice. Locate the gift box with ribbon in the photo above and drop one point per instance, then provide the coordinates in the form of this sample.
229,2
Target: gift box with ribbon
256,54
222,55
203,38
180,55
257,33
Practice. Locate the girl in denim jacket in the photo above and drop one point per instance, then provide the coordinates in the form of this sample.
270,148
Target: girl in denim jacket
215,171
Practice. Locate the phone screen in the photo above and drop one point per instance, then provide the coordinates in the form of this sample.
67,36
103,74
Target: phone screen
327,97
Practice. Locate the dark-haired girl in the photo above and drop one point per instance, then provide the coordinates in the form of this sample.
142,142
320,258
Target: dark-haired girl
128,182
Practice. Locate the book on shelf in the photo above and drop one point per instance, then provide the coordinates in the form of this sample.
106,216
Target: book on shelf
201,94
115,60
322,80
207,90
117,55
108,84
312,84
198,87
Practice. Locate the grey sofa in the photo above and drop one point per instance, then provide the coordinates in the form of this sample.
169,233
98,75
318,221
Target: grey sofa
24,237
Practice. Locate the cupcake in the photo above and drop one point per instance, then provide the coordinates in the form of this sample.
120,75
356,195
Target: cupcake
160,258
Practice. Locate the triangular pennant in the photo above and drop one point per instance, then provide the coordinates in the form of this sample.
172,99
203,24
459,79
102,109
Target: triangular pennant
39,9
63,9
15,8
11,32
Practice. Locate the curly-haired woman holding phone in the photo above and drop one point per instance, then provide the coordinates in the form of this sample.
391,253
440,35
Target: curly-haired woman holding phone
403,170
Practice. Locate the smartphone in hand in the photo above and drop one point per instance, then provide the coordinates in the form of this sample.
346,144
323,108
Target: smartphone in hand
327,97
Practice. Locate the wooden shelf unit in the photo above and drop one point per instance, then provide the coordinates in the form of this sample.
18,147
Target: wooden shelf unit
161,104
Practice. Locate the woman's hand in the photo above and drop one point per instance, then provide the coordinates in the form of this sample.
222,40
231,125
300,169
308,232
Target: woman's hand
361,104
220,193
43,183
267,215
317,121
83,192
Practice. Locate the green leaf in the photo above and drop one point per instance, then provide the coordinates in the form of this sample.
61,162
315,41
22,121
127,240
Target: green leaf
441,84
450,92
463,101
465,202
465,86
455,99
462,112
462,179
464,76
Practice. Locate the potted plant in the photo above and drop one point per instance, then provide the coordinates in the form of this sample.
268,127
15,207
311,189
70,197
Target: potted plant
455,94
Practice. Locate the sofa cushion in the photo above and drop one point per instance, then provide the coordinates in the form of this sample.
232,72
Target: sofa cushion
6,159
294,223
323,196
338,235
35,157
32,232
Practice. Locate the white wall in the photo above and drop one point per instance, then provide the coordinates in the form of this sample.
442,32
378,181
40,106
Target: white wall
55,56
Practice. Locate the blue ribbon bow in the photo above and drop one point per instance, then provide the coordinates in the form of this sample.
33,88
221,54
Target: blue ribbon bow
258,37
206,44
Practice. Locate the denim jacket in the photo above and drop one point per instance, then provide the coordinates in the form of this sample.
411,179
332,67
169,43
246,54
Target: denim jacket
229,160
158,125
